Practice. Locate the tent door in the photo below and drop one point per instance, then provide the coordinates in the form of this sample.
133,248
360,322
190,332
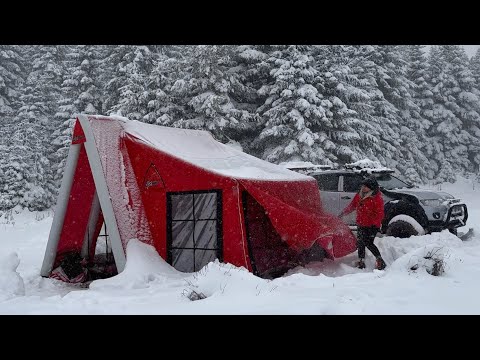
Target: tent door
270,256
194,229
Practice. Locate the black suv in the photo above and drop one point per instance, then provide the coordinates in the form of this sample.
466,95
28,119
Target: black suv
408,210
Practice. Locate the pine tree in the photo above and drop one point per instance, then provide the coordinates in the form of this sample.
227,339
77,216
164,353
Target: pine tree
416,164
474,67
342,88
35,121
474,151
216,93
133,82
378,139
454,113
11,81
295,113
81,94
167,103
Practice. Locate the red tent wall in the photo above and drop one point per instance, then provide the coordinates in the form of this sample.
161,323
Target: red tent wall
78,210
178,175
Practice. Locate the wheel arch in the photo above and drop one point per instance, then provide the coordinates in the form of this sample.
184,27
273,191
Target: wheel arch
402,207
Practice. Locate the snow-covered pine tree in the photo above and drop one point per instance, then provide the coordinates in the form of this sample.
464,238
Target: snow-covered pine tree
454,112
35,121
132,82
377,136
434,148
468,100
296,126
167,98
215,93
11,81
342,88
81,94
254,71
414,126
393,110
474,66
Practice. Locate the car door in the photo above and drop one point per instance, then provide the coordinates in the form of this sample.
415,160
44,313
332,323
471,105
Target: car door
328,184
349,185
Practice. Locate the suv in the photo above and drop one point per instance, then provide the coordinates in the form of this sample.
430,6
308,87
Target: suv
408,210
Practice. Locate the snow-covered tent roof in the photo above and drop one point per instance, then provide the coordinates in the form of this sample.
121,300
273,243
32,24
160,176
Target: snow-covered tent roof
200,148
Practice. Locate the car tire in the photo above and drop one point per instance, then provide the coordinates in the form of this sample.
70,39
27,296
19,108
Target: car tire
401,229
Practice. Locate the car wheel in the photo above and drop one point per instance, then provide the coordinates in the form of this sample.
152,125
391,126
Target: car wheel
401,229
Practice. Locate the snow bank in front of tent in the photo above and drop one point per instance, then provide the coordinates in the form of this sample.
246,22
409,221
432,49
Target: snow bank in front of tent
220,279
143,267
201,149
11,283
422,261
393,248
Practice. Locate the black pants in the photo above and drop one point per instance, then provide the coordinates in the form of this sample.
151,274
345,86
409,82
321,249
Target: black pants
365,237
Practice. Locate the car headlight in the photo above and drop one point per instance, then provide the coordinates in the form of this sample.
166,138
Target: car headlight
431,202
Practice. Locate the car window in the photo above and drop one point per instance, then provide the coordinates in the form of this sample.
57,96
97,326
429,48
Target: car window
352,183
389,182
327,182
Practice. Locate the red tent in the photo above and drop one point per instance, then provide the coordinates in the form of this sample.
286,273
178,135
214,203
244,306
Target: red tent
192,198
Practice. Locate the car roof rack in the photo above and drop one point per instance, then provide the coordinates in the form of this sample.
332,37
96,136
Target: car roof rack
368,166
301,166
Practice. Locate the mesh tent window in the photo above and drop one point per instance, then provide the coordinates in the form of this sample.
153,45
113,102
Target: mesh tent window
194,231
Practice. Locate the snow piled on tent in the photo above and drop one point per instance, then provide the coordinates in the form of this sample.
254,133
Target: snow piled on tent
143,266
119,175
199,148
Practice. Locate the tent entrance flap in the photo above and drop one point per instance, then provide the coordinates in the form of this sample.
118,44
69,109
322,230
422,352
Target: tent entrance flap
270,256
299,228
102,264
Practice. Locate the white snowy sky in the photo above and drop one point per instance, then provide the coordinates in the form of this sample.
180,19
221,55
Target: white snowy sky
469,49
150,286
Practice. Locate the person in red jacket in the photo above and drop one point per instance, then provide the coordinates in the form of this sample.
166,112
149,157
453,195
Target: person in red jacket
368,203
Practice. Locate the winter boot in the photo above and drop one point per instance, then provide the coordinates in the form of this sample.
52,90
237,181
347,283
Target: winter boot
380,264
361,264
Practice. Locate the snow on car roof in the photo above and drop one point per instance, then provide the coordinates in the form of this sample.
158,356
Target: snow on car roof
369,166
304,165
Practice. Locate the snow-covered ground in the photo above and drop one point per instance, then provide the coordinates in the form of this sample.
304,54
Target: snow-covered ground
150,286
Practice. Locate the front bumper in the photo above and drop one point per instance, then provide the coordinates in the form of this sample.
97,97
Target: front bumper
456,216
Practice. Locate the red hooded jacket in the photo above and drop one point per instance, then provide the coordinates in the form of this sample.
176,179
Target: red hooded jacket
369,210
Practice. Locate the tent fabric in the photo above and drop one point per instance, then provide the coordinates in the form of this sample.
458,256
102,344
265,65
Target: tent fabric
292,198
131,169
297,216
119,175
